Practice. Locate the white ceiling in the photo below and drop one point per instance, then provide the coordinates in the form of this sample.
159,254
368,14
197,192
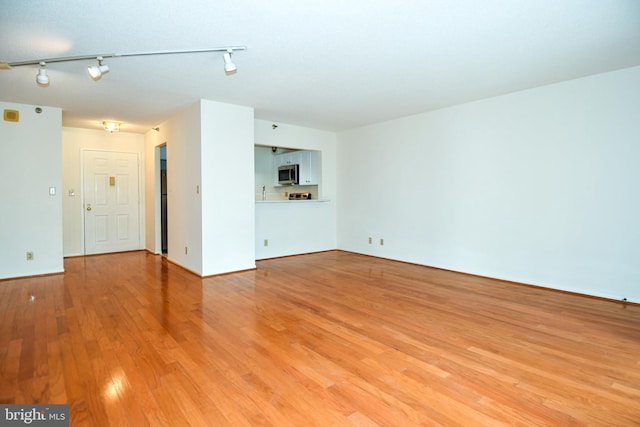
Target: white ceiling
326,64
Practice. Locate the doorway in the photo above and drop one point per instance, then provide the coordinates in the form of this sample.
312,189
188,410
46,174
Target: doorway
163,200
111,195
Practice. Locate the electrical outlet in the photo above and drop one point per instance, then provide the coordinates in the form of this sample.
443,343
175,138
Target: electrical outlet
381,242
370,240
266,242
29,256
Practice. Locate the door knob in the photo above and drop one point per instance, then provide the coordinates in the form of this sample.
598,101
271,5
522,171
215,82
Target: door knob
88,206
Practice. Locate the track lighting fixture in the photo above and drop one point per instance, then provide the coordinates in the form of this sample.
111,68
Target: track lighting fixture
42,78
96,71
229,66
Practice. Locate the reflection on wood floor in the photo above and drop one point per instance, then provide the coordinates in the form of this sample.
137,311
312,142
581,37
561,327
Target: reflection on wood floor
331,339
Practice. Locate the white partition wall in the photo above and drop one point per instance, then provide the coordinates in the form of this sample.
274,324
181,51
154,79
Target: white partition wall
209,188
298,226
228,211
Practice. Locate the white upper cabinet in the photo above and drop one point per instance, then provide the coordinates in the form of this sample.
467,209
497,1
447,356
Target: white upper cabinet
289,158
309,162
309,168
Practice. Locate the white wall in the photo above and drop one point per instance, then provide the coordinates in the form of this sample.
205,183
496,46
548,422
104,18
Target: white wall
228,214
30,218
297,227
74,141
539,186
182,135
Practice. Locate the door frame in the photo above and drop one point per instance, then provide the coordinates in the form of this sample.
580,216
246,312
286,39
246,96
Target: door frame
157,205
140,199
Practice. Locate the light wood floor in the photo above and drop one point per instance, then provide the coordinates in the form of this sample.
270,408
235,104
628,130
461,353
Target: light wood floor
324,339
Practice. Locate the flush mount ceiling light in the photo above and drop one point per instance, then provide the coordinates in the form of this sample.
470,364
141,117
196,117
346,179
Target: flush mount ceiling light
42,78
96,71
110,126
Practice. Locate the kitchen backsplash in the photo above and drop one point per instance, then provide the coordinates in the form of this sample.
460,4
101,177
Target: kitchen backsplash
282,193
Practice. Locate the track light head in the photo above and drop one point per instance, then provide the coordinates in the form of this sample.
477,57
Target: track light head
96,71
229,66
42,78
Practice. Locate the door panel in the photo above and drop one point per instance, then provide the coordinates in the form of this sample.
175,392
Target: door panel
123,227
101,228
111,197
100,189
122,190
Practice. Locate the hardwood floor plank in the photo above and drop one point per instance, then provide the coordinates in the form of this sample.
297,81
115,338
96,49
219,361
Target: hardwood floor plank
361,421
325,339
56,382
103,375
171,408
10,369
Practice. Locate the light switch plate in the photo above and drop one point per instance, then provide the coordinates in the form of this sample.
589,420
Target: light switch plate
52,191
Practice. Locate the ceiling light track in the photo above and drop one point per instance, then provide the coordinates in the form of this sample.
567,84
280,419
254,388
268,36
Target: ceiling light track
9,65
96,71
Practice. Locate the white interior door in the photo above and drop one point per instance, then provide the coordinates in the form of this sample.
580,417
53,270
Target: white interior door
111,202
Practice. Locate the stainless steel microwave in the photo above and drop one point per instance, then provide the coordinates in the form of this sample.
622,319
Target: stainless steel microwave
288,174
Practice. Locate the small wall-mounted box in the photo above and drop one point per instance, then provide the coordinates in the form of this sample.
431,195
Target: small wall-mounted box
11,115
